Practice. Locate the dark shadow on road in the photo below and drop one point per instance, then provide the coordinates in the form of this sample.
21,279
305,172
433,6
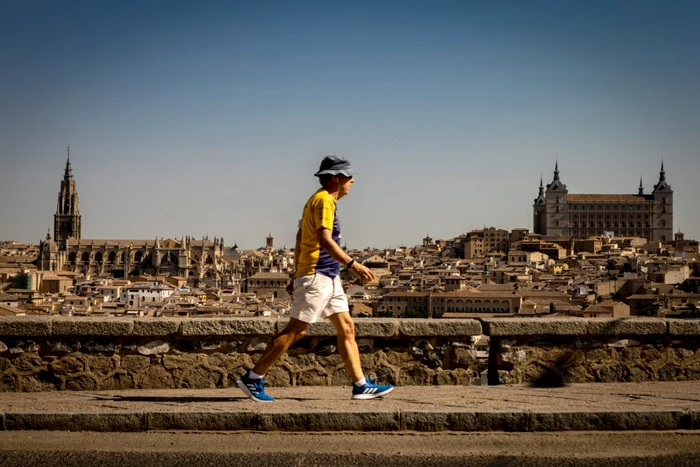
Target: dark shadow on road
189,399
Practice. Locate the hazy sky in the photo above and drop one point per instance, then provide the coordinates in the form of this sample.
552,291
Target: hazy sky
210,118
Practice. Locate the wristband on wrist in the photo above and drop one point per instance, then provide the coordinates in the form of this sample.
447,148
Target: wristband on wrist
349,265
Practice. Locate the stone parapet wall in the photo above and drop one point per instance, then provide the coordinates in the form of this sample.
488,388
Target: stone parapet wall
45,354
552,352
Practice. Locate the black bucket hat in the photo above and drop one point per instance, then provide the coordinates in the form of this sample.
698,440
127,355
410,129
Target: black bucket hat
335,165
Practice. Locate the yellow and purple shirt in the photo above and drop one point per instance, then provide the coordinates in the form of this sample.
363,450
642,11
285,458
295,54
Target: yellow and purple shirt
319,212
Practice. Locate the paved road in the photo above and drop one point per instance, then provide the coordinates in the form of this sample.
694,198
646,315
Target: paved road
174,449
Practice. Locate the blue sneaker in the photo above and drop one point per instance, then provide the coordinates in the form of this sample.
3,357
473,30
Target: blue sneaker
370,390
254,388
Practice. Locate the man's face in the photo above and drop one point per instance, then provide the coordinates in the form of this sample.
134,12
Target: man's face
344,184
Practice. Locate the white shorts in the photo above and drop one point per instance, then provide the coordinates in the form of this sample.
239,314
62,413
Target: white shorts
317,297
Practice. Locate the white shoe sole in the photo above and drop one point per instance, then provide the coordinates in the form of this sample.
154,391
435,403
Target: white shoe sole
372,396
247,392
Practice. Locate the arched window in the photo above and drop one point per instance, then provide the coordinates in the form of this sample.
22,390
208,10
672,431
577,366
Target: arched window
112,256
86,257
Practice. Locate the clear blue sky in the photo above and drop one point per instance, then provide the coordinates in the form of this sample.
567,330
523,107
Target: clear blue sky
194,118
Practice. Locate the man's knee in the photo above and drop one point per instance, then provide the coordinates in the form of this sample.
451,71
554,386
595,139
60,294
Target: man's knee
296,329
300,335
346,329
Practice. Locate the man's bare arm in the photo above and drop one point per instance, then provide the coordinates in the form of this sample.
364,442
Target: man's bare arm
337,253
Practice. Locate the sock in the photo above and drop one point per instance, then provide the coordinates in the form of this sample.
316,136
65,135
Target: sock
360,383
254,375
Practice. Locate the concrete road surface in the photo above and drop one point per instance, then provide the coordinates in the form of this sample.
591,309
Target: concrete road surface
239,449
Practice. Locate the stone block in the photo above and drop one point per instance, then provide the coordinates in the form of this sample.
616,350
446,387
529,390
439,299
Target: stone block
416,375
156,377
376,327
152,327
29,363
228,326
181,362
34,384
535,326
684,327
200,378
329,421
25,326
92,327
154,348
118,381
466,421
626,327
101,364
81,383
606,421
134,363
68,365
440,327
205,421
104,422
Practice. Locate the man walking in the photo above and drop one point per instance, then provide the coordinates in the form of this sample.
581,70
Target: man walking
316,287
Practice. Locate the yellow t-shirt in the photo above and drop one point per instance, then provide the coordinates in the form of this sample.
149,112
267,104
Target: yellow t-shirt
319,212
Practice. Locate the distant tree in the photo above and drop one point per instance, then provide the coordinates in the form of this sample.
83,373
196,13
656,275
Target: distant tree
411,313
386,314
649,309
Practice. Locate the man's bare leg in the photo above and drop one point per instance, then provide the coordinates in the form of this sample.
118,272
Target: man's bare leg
294,331
347,346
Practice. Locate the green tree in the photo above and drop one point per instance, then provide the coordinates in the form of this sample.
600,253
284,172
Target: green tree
411,313
649,309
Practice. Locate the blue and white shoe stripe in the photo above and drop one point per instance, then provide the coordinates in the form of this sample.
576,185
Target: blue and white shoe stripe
370,391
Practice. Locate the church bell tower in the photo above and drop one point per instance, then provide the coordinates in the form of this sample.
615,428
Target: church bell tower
67,218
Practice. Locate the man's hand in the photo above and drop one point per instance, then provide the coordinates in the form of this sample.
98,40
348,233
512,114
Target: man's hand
364,273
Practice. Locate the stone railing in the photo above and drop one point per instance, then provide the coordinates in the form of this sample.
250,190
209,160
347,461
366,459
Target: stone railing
43,354
552,352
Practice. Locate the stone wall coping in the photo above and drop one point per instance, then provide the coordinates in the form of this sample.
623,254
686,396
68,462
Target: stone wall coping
114,326
505,327
39,326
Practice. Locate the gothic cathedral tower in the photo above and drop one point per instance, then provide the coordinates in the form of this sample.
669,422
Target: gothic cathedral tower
66,221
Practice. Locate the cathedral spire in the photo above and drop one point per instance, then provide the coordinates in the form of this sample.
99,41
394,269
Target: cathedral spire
541,186
641,186
69,170
556,170
662,174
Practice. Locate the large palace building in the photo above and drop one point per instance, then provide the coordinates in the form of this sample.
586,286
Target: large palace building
187,257
558,213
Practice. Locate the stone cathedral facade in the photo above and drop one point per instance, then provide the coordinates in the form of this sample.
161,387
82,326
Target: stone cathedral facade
558,213
68,251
